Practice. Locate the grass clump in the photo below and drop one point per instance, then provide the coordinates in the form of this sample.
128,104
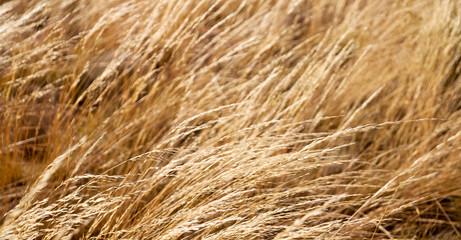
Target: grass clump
230,119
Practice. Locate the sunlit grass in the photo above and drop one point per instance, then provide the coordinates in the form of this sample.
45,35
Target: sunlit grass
230,119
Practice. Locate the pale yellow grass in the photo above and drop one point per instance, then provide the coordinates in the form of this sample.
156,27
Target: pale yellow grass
230,119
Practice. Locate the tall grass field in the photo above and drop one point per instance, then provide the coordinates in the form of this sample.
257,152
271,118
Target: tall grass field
230,119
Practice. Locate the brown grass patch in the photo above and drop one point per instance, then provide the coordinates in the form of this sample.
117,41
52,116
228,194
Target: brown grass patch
230,119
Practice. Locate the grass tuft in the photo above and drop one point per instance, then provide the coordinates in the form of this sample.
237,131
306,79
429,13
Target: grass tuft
230,119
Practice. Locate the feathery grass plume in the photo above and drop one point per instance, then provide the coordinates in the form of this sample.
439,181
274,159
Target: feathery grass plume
230,119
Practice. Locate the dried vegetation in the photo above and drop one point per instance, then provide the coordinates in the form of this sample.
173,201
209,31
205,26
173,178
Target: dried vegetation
230,119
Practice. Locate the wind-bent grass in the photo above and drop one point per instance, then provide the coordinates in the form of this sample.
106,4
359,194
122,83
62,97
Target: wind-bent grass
230,119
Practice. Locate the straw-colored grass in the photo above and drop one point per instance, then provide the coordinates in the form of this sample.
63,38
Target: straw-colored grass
230,119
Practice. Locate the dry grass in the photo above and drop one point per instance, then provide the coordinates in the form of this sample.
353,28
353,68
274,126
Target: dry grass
230,119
